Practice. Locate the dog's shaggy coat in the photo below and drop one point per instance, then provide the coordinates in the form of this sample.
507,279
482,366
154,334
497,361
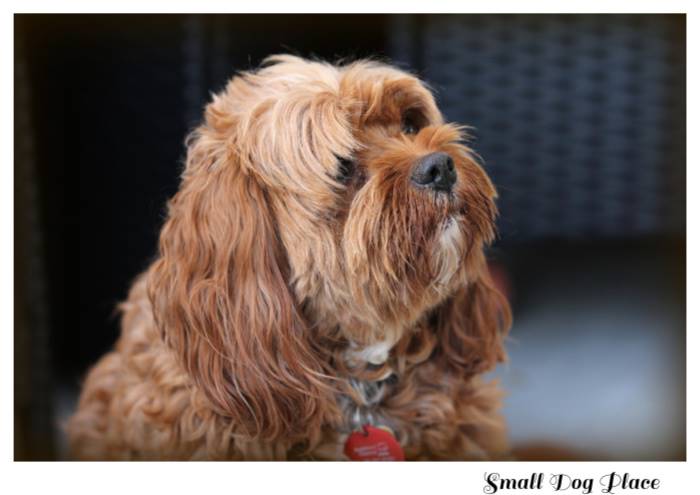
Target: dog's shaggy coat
304,285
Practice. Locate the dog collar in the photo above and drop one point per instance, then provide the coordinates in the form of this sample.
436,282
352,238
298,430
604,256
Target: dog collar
370,440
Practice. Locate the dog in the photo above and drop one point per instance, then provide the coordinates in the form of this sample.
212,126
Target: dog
320,290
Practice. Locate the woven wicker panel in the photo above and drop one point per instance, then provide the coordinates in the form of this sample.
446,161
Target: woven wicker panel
579,119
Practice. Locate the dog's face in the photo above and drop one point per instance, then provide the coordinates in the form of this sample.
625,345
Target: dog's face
317,199
380,209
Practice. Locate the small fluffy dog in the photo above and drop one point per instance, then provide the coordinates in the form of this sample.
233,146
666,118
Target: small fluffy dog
320,290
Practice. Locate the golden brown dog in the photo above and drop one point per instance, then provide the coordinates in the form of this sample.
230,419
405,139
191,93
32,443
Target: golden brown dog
320,269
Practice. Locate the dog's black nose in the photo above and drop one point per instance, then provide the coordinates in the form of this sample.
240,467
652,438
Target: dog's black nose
436,171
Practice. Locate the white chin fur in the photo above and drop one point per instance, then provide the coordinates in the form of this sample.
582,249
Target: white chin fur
448,252
374,354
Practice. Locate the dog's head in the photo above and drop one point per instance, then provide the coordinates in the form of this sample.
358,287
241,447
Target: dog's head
317,201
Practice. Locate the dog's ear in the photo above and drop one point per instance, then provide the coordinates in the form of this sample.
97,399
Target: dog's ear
221,301
471,327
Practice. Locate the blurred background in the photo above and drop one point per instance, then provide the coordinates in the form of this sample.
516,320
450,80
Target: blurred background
580,121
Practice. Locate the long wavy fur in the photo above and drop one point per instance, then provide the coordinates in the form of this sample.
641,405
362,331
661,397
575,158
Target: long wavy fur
276,281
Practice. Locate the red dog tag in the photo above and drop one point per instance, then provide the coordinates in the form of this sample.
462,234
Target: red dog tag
373,444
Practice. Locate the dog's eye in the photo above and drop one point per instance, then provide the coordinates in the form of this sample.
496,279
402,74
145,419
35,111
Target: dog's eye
409,127
411,122
346,169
